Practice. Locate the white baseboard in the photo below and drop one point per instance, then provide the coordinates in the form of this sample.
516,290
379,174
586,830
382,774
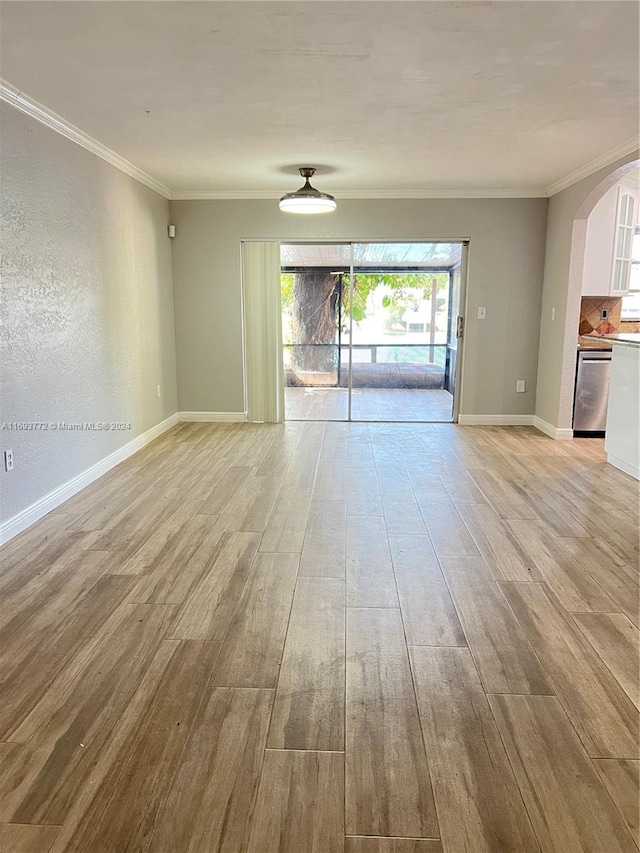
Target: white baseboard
627,467
28,516
495,420
550,430
213,417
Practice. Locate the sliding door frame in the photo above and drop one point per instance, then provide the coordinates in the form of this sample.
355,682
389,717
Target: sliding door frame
462,312
463,242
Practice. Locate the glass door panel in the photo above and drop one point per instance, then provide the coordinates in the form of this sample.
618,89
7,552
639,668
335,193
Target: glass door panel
312,326
400,313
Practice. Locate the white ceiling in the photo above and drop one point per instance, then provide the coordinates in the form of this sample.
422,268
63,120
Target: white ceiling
396,97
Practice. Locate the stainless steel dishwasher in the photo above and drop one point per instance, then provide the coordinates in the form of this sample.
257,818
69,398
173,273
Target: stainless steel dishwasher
592,391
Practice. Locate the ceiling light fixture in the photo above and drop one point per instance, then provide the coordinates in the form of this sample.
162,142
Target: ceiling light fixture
307,199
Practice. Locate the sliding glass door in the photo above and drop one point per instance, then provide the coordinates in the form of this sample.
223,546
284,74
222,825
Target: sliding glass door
366,330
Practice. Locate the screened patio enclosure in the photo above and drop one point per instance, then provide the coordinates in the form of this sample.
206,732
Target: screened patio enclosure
369,330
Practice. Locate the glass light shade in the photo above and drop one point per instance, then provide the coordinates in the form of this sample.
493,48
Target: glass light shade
320,203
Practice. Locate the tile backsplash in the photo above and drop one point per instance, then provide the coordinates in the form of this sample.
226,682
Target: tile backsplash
591,317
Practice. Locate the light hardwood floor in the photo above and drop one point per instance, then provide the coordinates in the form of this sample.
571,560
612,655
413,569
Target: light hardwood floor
327,638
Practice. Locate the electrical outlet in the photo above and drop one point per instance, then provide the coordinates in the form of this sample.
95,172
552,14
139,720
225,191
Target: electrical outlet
604,313
482,313
520,385
8,460
158,387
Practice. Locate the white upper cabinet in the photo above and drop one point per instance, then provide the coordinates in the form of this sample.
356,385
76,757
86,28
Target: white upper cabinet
623,242
607,259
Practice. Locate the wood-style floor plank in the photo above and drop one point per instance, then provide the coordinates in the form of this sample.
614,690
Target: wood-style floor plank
602,713
303,464
287,523
459,484
276,460
176,532
478,801
370,578
144,546
505,660
67,733
323,552
364,844
566,577
35,550
501,495
248,444
126,531
9,753
126,806
249,508
55,651
621,778
300,803
568,805
620,581
252,649
188,556
331,477
401,512
504,555
429,617
422,472
363,492
209,609
210,804
21,838
225,489
118,748
31,609
616,640
388,788
309,707
447,530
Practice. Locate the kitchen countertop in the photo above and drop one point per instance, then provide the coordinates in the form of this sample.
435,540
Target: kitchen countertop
591,344
627,338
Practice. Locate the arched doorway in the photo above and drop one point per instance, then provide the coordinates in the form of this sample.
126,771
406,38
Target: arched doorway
574,290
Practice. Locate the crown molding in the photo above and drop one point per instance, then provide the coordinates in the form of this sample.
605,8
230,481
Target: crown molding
343,195
594,166
13,96
39,112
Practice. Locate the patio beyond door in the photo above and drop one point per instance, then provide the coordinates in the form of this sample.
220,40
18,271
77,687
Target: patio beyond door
368,330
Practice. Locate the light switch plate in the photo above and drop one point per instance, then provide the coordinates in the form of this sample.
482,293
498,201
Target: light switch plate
482,313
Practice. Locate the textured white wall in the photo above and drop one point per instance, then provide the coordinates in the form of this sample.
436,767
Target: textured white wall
506,259
87,307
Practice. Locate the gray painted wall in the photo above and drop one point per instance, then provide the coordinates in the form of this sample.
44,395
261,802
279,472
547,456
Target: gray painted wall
562,290
505,274
87,307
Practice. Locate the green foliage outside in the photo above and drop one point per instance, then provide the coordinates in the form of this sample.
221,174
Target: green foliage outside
286,288
406,287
